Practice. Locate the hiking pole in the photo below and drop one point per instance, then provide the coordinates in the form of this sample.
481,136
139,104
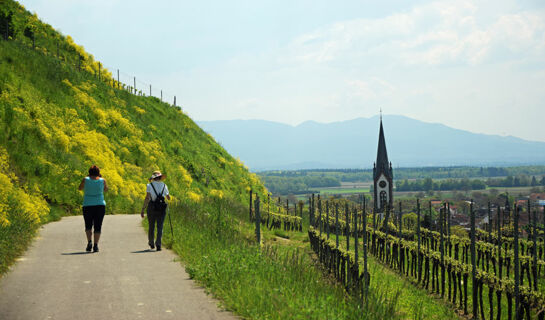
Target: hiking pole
170,222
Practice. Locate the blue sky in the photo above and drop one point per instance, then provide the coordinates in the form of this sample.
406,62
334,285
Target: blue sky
472,65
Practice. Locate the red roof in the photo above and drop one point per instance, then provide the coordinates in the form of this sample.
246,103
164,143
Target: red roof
537,196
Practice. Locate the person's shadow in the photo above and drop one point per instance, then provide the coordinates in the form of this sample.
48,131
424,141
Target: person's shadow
143,251
75,253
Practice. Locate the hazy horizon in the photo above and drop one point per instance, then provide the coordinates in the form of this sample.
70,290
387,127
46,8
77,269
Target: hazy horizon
370,117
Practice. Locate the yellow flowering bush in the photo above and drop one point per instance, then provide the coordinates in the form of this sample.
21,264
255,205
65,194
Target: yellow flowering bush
194,197
216,193
14,200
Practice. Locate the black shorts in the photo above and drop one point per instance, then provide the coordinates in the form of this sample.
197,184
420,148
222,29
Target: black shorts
93,216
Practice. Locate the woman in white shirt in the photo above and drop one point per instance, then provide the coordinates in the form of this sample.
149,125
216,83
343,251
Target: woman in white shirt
156,192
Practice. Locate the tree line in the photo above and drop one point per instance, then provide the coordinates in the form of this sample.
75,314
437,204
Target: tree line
407,179
297,184
440,185
455,172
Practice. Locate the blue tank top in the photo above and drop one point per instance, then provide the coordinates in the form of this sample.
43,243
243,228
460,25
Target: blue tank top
93,192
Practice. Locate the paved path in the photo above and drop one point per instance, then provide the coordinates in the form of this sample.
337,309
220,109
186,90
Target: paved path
57,279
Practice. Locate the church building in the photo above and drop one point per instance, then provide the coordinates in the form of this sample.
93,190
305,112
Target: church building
382,176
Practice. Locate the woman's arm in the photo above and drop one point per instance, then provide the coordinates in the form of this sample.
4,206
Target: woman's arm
168,197
146,201
105,185
82,184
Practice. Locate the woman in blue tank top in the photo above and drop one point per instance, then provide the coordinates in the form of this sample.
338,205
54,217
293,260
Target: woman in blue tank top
94,206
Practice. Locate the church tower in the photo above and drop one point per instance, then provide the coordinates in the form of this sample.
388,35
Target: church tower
382,176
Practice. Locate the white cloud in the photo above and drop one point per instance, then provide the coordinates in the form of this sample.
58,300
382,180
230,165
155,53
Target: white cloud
440,32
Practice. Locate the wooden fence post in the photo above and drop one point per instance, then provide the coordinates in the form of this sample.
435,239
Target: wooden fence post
365,277
347,226
257,220
134,80
475,286
448,230
534,238
320,222
431,217
505,213
99,67
327,217
337,224
356,234
442,214
419,260
500,259
489,224
400,235
312,222
117,78
516,252
174,100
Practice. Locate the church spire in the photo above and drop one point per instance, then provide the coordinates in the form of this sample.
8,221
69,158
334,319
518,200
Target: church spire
382,175
382,163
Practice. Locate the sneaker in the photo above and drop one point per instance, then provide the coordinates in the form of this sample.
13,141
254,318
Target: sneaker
95,248
158,248
89,246
151,245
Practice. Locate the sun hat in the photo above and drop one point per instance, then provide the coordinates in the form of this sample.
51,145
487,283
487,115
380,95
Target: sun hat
156,174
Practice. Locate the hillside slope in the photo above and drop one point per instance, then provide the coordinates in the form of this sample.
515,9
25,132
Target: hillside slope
57,118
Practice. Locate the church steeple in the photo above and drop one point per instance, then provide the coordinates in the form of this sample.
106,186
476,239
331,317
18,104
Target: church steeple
382,163
382,174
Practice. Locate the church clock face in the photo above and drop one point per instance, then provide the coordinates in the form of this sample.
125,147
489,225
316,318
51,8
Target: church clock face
382,184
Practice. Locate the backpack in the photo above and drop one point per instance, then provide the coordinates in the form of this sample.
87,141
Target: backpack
159,204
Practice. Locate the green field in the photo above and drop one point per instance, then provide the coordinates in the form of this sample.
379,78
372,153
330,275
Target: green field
332,191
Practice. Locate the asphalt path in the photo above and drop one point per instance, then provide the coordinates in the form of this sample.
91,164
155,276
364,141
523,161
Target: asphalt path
57,279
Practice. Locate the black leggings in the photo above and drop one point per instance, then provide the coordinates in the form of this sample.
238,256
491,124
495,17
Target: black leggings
93,215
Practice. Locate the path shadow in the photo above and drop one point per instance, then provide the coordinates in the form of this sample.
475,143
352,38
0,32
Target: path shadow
75,253
143,251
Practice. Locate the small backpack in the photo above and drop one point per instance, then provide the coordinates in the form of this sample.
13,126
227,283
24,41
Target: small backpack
159,204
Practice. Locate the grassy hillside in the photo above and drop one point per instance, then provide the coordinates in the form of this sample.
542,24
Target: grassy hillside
61,112
57,118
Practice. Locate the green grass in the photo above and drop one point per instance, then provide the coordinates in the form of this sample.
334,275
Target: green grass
14,239
282,234
278,280
414,302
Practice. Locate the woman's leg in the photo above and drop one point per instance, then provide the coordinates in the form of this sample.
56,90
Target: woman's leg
88,217
160,221
151,225
98,217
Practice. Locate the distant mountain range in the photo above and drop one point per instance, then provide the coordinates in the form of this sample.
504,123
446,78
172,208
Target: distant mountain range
266,145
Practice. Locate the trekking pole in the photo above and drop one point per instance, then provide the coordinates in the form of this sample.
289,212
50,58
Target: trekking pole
170,222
